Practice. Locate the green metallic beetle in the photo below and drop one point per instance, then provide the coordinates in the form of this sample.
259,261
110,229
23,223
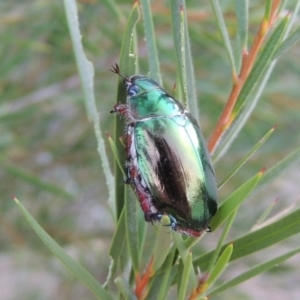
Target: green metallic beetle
167,161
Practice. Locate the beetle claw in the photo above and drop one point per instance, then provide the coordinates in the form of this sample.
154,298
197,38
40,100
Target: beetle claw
127,180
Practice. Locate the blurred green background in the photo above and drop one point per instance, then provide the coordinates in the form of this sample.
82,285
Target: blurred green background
48,155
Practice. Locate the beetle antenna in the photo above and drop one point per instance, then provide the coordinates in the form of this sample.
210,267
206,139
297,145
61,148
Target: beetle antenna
116,69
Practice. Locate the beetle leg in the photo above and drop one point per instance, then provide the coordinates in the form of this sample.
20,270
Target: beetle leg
127,180
134,176
119,108
151,217
129,167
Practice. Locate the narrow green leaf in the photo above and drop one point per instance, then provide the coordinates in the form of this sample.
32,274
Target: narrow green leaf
178,278
86,74
291,40
125,289
127,66
151,42
162,243
131,229
234,200
220,265
280,167
183,54
118,242
221,242
162,281
133,236
142,230
180,245
190,241
192,281
241,9
261,220
118,238
128,57
284,212
250,105
224,33
268,10
260,239
184,252
185,277
116,153
248,155
166,282
114,8
253,272
81,273
35,180
260,65
294,18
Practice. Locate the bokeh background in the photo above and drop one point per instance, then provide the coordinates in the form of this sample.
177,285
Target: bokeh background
49,159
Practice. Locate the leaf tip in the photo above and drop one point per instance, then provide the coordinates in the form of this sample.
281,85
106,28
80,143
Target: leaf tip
288,15
14,198
263,170
174,86
276,201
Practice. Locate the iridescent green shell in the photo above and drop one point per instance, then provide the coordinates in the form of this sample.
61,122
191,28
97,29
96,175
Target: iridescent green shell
167,161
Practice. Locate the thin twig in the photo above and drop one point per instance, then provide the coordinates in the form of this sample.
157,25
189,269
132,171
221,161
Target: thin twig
143,281
248,60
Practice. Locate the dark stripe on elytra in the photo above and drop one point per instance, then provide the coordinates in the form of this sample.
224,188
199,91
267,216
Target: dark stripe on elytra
169,174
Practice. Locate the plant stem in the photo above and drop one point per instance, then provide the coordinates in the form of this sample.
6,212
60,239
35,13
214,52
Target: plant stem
248,59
